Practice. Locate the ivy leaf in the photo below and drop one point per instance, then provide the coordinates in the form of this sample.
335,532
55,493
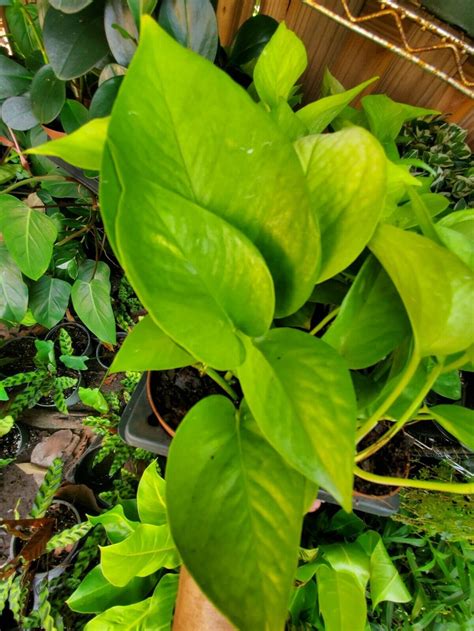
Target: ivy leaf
146,550
434,285
151,497
49,298
244,501
346,176
192,23
348,557
116,525
92,303
288,380
341,599
147,347
280,64
29,235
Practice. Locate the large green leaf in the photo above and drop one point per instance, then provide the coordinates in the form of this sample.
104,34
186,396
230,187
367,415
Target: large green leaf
29,235
91,300
192,23
300,392
14,79
212,145
13,291
341,600
146,550
279,66
385,581
154,613
251,38
317,116
345,172
372,320
244,504
147,347
17,113
151,497
434,285
48,94
95,594
83,148
116,525
49,298
456,231
456,420
122,40
188,265
75,42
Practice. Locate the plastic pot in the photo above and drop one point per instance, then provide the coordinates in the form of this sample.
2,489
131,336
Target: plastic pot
8,350
94,476
101,346
169,430
70,326
22,436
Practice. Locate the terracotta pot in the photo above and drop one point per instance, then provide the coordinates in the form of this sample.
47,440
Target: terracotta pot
194,612
169,430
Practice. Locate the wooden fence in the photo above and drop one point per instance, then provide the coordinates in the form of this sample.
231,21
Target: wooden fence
352,58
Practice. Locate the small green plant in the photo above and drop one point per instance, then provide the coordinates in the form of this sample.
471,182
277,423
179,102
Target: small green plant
45,381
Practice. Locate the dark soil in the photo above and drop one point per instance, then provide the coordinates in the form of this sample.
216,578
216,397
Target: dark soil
62,372
10,443
17,356
176,391
79,338
392,460
95,475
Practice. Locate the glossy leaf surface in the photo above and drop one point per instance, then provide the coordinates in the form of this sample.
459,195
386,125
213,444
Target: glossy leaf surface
147,347
17,113
457,420
116,525
192,23
14,78
245,503
318,115
91,300
301,395
95,594
73,115
146,550
372,320
251,38
122,41
29,235
75,42
154,613
341,600
345,172
349,557
151,497
83,148
49,298
48,94
279,66
256,184
434,285
104,98
13,291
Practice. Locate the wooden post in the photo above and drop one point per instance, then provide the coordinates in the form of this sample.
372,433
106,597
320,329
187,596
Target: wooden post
194,612
230,15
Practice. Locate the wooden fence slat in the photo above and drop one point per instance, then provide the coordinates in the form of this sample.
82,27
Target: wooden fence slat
230,15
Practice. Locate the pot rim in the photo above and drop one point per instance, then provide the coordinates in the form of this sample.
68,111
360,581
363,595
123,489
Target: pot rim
72,398
120,334
63,323
169,430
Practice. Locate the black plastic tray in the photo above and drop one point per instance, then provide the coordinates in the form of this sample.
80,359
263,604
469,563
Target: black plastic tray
139,427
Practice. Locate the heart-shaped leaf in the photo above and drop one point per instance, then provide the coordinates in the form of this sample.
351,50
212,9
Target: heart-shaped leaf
91,300
29,235
245,503
288,380
49,298
341,600
13,291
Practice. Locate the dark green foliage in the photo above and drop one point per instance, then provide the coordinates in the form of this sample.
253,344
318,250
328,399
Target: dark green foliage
65,343
127,305
47,490
443,146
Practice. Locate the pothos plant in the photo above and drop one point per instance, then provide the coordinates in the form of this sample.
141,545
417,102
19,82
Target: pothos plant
228,217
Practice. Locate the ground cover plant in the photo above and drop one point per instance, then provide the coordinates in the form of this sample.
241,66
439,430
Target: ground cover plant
244,215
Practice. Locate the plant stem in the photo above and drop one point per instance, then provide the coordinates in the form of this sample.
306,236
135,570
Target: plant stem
73,235
38,38
30,180
410,370
330,316
215,376
465,488
396,427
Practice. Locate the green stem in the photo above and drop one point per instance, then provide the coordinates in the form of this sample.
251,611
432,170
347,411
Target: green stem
396,427
330,316
215,376
31,180
371,422
429,485
423,216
